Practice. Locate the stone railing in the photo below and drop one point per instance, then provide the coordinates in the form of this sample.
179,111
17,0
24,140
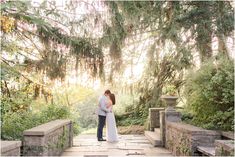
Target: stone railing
49,139
183,139
10,148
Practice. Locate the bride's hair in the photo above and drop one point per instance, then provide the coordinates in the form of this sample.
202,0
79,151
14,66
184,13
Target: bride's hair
112,97
107,92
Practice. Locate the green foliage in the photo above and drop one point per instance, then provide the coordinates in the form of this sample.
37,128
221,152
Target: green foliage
21,111
14,123
127,112
158,76
210,95
169,90
50,34
87,112
128,121
53,112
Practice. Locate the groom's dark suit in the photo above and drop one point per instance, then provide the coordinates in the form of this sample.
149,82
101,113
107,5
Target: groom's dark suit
102,111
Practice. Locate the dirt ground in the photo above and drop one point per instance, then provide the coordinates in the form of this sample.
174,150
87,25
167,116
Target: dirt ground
133,129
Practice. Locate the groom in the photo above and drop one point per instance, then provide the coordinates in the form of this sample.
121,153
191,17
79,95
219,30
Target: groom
102,111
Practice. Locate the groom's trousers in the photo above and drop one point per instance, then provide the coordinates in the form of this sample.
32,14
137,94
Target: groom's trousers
101,123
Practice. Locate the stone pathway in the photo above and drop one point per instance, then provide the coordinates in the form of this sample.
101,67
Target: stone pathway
129,145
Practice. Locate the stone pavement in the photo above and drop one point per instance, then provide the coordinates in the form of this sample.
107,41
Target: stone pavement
128,145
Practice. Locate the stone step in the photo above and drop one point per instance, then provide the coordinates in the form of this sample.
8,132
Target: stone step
154,138
157,130
209,151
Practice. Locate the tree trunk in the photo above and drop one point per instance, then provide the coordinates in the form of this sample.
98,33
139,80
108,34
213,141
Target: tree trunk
222,48
204,34
7,89
221,37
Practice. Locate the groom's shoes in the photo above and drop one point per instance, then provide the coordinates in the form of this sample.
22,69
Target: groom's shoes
101,139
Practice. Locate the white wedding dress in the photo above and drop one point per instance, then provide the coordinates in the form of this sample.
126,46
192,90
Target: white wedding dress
111,129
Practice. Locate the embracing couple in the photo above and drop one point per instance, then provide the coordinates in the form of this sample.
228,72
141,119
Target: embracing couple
106,115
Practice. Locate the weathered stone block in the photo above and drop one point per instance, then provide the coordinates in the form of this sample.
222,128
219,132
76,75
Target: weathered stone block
154,117
49,139
34,140
224,147
10,148
183,139
173,116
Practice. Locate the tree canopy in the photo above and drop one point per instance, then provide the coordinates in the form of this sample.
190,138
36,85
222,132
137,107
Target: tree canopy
143,48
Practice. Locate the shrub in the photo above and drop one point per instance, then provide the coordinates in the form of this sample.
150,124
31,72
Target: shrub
14,123
53,112
210,95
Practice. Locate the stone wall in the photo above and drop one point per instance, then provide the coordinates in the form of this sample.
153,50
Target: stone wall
49,139
183,139
154,117
10,148
224,147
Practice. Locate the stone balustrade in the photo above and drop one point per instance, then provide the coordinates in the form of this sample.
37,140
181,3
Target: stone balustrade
49,139
10,148
183,139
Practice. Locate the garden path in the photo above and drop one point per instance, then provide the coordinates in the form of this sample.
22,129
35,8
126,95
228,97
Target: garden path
129,145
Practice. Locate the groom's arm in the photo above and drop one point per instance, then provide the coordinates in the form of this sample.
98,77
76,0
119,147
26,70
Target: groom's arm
103,105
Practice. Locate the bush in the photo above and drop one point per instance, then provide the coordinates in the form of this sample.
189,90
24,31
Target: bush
53,112
128,119
210,95
87,112
14,123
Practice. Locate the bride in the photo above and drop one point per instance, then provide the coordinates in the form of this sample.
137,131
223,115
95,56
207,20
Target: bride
111,129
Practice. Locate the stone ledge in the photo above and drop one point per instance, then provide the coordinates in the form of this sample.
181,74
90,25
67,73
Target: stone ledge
9,145
229,134
49,139
154,138
183,127
46,128
226,144
208,151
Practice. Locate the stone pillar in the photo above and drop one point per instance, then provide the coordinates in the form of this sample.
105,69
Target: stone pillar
172,116
169,115
154,117
162,128
71,134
